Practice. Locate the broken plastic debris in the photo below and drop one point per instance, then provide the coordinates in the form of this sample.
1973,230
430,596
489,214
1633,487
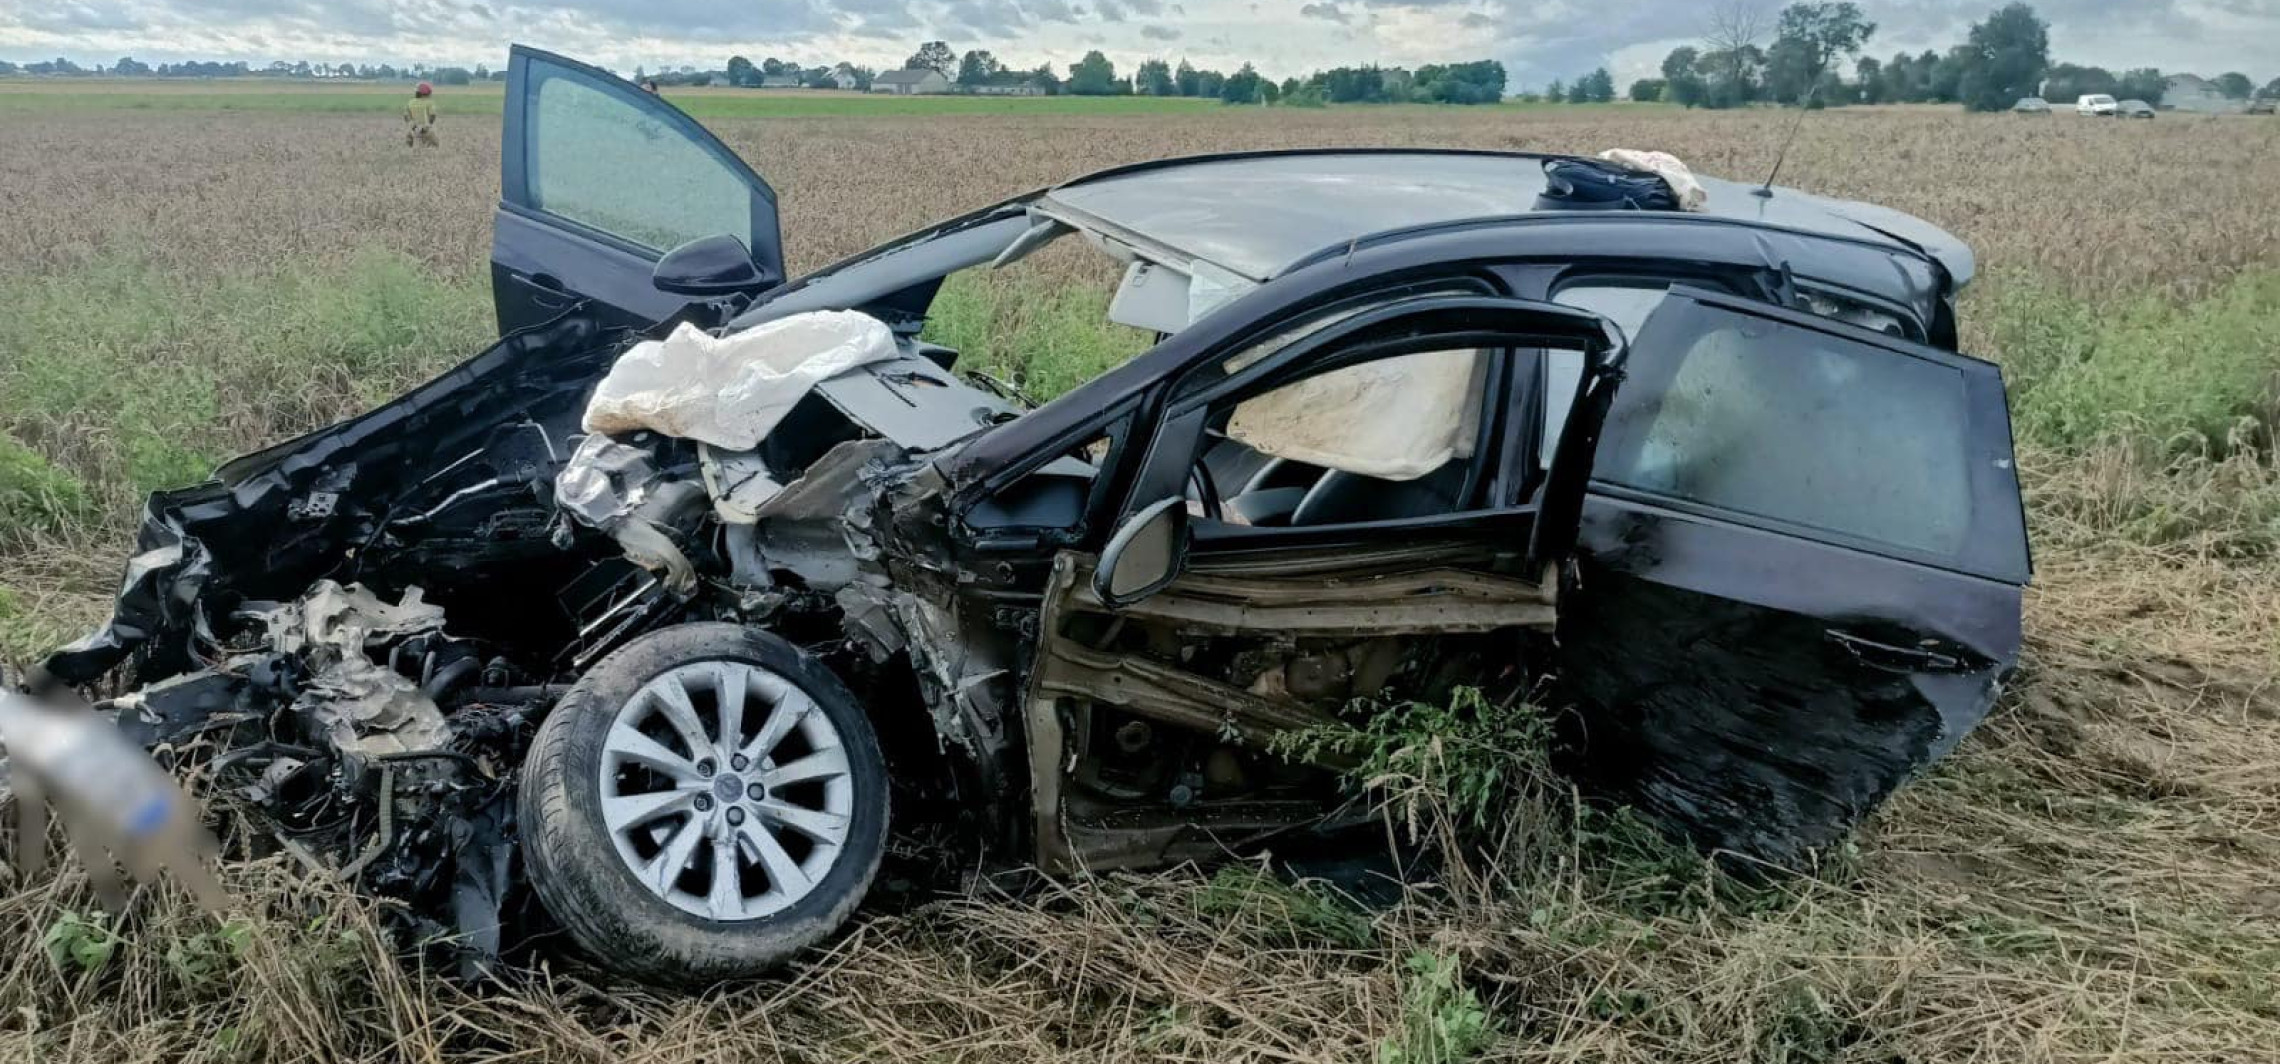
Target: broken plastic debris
604,482
739,483
615,488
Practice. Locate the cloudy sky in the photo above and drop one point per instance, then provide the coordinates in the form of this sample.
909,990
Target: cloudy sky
1537,39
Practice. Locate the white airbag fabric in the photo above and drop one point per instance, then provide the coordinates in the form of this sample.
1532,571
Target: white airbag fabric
1394,419
731,391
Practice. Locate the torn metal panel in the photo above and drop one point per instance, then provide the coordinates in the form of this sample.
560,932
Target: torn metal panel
739,482
816,527
1430,600
1160,692
957,672
345,620
827,489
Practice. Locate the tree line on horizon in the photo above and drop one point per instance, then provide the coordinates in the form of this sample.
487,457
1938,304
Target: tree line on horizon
2001,60
1477,82
1481,81
129,67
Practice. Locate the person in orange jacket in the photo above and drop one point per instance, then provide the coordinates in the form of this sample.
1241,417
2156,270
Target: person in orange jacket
419,117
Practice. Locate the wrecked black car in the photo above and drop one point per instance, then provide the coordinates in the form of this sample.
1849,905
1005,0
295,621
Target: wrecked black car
658,601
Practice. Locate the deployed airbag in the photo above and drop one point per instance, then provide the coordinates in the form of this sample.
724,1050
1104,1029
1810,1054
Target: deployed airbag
730,391
1393,419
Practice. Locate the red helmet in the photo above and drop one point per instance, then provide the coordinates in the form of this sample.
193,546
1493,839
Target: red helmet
424,89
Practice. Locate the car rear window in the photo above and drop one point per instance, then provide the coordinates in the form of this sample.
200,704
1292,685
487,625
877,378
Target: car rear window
1753,416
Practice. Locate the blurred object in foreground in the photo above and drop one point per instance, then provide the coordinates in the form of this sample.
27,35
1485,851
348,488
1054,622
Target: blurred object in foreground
117,805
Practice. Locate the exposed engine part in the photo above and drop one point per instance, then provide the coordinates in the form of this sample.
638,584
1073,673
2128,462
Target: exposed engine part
356,733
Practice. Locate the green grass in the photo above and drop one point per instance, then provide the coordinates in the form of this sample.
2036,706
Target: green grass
35,496
1043,339
123,379
2201,378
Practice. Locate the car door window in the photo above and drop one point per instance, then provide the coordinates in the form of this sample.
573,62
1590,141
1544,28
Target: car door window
600,159
1386,439
1806,428
1630,301
1628,305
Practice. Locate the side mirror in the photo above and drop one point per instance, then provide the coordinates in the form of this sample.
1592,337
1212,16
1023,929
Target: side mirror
1145,554
710,266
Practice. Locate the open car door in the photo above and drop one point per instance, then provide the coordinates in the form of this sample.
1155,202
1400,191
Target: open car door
598,181
1214,620
1798,573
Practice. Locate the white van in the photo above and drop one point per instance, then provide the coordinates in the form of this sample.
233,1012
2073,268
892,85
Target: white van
2095,104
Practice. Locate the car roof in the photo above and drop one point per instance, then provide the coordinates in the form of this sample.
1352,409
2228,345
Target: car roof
1257,214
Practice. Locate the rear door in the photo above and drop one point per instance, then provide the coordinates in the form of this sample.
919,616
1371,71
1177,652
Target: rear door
597,181
1798,573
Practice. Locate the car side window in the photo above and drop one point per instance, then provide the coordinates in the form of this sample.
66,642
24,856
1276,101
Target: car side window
1758,417
604,162
1387,439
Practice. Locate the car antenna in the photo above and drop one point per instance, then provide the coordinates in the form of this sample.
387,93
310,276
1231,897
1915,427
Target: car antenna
1765,191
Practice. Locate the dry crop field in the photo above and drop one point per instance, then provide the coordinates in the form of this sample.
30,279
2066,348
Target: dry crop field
2095,876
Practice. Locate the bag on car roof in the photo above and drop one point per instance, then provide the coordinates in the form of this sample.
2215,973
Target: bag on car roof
1597,185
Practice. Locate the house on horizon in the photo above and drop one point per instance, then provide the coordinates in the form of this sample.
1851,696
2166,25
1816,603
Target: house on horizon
2188,92
1024,88
843,77
924,81
780,81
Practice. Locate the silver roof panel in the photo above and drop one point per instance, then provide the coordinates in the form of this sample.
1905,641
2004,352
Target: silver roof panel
1257,214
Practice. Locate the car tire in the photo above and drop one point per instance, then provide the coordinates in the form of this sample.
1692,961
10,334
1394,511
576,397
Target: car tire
650,924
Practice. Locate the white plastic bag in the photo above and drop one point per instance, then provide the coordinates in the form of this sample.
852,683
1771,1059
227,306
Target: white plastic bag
729,392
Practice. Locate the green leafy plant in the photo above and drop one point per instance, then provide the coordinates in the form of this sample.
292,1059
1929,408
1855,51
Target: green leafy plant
209,956
1470,759
1442,1019
80,943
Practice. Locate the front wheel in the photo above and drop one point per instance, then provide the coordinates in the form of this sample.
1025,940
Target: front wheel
703,804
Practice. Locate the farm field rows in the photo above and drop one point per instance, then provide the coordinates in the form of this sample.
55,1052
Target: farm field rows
2094,876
